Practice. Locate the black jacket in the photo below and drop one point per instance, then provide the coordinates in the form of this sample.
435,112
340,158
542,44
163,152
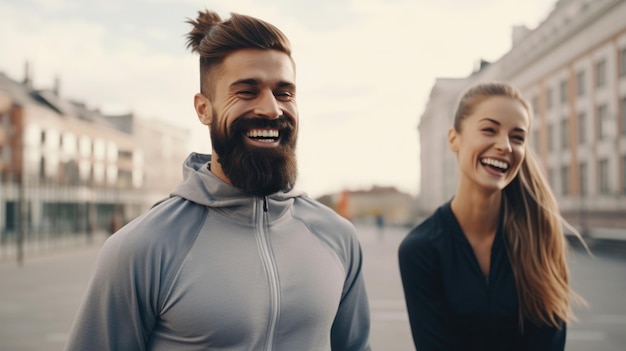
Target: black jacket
450,304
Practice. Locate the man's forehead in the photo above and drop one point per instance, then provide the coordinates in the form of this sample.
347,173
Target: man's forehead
257,64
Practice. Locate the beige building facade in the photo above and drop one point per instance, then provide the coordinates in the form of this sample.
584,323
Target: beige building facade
66,169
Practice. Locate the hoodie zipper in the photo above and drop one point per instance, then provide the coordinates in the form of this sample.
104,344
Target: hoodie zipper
270,268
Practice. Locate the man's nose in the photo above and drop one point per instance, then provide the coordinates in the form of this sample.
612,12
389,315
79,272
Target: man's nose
267,106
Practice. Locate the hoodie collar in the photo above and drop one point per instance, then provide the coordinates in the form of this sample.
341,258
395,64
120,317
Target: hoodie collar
201,186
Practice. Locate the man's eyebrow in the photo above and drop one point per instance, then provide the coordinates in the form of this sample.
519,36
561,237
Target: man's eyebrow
246,81
517,129
257,82
288,85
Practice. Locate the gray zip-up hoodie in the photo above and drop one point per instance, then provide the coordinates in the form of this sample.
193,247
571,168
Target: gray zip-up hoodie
211,268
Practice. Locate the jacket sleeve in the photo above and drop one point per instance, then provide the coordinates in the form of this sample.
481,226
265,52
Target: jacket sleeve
351,328
423,291
116,312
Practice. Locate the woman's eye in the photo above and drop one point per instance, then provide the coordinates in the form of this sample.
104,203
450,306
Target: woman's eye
489,130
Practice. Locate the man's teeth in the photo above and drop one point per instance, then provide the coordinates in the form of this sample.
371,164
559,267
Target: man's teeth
495,163
262,133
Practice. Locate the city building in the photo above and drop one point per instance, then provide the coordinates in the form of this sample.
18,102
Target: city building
572,68
364,206
66,169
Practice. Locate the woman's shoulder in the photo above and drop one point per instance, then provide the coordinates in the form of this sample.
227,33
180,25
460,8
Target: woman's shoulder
430,232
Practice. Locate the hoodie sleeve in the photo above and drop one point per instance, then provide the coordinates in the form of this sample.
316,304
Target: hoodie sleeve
133,272
351,328
118,310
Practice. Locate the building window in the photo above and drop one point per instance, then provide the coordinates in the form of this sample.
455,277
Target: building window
624,174
84,146
603,172
565,180
623,115
69,146
622,63
580,83
603,122
549,98
125,154
99,149
563,91
4,155
582,177
582,127
550,137
42,168
535,103
5,121
535,140
601,73
564,141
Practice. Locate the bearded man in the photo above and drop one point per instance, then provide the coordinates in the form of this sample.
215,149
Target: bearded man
235,258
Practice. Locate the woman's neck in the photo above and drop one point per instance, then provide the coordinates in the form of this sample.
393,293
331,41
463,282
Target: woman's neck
477,213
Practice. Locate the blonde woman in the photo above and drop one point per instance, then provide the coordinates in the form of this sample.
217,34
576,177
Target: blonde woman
487,270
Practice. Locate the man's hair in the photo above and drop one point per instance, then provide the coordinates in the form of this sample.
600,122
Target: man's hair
214,39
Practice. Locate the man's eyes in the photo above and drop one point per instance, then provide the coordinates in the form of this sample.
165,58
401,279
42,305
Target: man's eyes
280,95
247,93
284,95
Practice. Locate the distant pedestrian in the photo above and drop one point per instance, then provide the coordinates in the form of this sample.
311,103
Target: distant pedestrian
236,258
488,271
115,224
380,224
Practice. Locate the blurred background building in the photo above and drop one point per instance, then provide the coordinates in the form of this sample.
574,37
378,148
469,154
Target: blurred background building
572,68
67,170
394,207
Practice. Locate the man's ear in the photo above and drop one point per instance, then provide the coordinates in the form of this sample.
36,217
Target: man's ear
453,140
203,108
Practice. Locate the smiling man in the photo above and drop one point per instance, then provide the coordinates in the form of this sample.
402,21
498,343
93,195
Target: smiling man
235,258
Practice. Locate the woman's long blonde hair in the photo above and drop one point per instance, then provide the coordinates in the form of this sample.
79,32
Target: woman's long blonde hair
533,225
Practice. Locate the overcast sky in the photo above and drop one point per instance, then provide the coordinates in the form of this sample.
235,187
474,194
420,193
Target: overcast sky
364,67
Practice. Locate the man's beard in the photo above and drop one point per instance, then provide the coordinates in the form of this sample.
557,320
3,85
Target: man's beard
258,171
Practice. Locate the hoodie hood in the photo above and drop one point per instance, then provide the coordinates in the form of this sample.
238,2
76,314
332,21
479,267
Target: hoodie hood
202,187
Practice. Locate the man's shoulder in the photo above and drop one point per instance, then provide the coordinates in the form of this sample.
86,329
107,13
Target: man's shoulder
314,213
171,223
335,231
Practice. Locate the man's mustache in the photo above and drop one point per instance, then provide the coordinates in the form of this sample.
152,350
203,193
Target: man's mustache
245,123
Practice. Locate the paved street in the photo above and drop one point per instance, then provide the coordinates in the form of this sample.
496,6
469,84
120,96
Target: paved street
39,299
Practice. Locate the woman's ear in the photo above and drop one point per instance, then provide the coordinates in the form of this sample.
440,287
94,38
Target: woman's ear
453,140
203,109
